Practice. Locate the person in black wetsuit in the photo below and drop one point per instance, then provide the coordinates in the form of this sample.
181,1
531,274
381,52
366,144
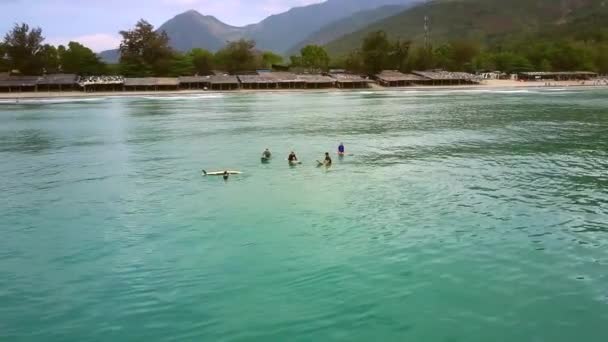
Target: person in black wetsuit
327,160
226,175
292,157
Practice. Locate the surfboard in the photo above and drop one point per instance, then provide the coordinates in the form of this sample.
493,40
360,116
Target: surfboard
265,160
293,163
220,173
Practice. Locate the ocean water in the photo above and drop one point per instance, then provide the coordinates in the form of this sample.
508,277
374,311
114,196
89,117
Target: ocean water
458,215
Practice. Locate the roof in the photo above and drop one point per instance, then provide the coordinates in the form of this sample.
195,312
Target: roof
151,81
269,77
193,79
558,73
396,76
223,79
20,81
316,79
348,78
59,79
101,80
444,75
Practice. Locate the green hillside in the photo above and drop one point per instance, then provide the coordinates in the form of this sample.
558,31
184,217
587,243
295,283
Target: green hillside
345,26
490,22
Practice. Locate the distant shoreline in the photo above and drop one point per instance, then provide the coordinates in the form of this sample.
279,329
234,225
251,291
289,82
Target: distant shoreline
488,84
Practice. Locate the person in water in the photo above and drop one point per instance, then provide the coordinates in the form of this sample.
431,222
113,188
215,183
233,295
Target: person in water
226,175
292,157
266,154
327,160
341,148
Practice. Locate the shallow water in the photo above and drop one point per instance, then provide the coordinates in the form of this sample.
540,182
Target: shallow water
459,215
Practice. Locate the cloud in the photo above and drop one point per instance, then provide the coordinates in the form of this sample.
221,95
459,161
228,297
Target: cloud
97,42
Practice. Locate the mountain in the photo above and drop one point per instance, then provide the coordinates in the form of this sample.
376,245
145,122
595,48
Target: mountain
484,20
280,32
192,29
348,25
277,33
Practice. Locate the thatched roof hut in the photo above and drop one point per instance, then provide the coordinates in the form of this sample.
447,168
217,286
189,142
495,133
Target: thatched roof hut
394,78
19,83
223,82
151,82
58,79
271,80
344,80
440,77
317,81
194,82
557,75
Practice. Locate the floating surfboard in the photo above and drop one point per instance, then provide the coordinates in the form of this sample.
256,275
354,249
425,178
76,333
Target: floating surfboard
265,160
293,163
220,173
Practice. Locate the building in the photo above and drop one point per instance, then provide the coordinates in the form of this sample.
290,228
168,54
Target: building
18,84
349,81
101,83
557,76
317,81
272,80
394,78
194,82
446,78
58,82
151,83
223,82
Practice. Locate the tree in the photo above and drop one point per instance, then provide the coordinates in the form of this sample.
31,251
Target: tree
269,59
462,53
3,58
353,62
375,52
237,56
181,65
314,58
510,62
422,58
24,49
145,52
78,59
50,59
398,54
202,61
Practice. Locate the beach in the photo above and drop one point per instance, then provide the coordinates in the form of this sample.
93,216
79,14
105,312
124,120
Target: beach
486,84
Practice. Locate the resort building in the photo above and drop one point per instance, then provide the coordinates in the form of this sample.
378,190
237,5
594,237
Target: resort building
101,83
349,81
58,82
151,83
394,78
194,82
557,76
223,82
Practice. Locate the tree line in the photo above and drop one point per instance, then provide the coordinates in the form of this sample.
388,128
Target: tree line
146,52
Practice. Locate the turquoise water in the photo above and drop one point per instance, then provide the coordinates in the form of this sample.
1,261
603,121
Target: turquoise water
459,216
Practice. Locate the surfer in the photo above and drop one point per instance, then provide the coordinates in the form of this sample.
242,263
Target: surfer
341,149
327,160
266,154
226,175
292,157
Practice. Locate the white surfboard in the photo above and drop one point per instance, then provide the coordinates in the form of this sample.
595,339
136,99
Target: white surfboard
220,173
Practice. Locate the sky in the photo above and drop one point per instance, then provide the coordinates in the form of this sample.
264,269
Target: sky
95,23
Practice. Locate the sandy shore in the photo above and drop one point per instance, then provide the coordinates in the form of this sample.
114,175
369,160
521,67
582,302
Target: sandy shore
487,84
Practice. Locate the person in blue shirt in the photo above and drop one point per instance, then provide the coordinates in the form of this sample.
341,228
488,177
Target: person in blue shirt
341,148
